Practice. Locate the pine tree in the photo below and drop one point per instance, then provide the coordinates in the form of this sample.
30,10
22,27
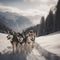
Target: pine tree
49,22
42,26
58,16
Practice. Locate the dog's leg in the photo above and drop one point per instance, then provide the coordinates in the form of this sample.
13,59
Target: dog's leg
14,47
17,48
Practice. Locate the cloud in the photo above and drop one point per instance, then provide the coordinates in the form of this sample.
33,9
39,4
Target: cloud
34,14
33,2
27,12
9,9
32,8
10,0
29,4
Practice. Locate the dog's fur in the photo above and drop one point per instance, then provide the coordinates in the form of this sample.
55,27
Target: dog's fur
29,42
18,41
15,41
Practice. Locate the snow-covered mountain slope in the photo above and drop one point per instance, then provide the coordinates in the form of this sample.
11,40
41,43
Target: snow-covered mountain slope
46,48
50,42
14,21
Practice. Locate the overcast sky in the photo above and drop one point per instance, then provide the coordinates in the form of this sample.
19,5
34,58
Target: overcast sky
33,9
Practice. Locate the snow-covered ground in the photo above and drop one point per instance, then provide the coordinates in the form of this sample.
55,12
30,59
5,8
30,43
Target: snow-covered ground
45,48
50,42
4,43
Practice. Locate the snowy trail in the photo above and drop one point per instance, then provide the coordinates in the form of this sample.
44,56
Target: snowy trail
46,54
6,50
40,52
35,54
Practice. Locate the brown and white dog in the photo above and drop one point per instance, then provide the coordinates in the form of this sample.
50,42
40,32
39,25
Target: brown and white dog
30,41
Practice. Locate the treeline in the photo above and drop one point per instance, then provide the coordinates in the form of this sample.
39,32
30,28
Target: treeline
50,24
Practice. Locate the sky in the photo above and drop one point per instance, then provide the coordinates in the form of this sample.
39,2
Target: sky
33,9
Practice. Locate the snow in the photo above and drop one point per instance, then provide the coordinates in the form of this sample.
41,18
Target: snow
35,55
4,43
5,46
46,47
50,42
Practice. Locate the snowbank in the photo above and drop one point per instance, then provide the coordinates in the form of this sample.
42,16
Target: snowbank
4,43
50,43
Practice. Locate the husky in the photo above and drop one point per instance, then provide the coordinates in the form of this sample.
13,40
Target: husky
14,41
30,41
20,42
31,37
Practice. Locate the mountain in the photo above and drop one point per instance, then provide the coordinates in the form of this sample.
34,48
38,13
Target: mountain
14,21
4,29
